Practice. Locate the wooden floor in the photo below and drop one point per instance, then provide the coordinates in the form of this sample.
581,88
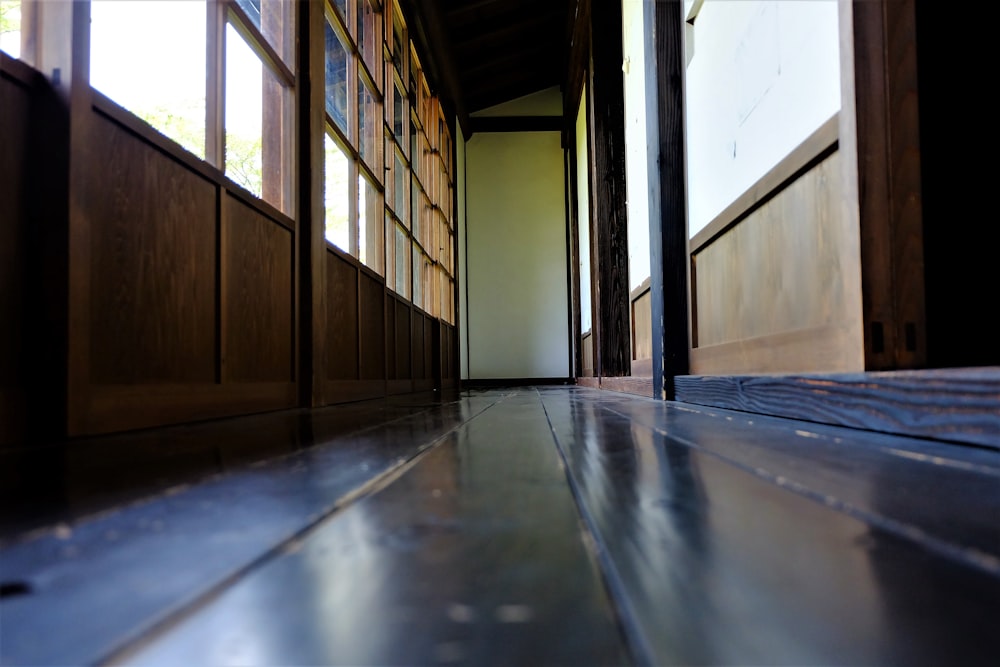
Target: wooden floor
525,526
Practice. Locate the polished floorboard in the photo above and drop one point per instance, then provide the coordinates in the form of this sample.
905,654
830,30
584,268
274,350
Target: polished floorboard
520,526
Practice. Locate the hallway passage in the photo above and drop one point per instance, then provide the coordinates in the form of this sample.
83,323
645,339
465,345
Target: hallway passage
522,526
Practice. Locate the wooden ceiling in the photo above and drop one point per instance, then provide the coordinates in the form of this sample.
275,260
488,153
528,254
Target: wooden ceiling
504,49
493,51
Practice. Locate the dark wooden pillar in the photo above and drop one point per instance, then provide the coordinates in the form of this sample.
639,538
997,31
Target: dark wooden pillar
312,241
883,38
667,221
607,163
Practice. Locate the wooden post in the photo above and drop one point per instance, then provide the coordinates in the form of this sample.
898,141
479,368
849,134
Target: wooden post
59,47
608,194
879,55
312,240
668,238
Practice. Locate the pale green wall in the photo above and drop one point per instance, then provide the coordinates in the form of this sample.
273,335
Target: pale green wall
546,102
516,278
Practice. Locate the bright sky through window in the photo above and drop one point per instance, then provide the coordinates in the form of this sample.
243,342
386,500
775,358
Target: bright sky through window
10,27
149,57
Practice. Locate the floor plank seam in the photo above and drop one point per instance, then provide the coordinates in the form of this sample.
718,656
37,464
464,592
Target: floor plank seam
970,557
626,617
174,617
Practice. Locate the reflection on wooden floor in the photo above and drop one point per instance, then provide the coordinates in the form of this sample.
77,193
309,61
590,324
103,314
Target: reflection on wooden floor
548,526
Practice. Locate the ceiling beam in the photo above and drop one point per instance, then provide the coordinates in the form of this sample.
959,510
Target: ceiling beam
433,36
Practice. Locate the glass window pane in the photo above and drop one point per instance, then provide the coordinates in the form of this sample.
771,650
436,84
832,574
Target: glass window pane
389,183
341,5
390,251
402,262
337,196
398,43
428,290
426,234
337,60
369,38
418,282
370,212
145,71
399,188
10,27
398,113
414,151
244,114
415,219
274,20
369,125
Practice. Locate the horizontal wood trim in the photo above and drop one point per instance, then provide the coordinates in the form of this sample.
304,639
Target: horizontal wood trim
345,391
340,253
489,383
641,289
106,107
819,349
261,45
591,382
960,405
814,149
19,71
127,407
639,386
516,124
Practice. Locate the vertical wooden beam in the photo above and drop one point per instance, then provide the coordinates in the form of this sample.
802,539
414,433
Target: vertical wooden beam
607,101
668,237
60,49
215,84
883,41
311,236
50,132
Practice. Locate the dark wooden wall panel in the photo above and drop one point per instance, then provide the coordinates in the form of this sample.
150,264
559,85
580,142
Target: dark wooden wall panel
642,328
392,372
342,321
15,109
428,349
451,356
403,341
259,327
153,265
372,328
417,340
446,348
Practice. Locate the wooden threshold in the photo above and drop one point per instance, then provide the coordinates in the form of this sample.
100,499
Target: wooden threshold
958,404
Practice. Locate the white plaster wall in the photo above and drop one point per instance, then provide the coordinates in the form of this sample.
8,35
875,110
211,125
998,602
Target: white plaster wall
637,188
763,75
518,303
